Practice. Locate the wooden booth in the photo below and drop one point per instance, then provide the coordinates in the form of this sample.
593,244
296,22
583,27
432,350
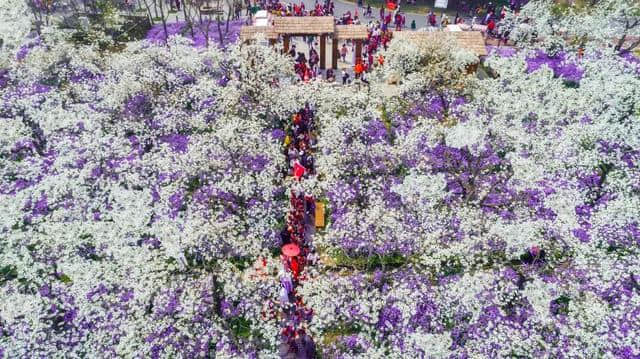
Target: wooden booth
285,27
357,33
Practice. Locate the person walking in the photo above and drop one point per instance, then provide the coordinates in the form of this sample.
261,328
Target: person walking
358,69
445,20
345,77
431,19
237,9
330,76
343,53
363,78
491,25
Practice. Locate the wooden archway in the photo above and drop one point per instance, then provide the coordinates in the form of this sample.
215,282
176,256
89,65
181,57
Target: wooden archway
321,26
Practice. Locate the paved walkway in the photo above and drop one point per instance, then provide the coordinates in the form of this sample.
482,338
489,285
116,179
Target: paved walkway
341,7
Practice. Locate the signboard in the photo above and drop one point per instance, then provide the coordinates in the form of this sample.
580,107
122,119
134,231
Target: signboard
319,214
441,4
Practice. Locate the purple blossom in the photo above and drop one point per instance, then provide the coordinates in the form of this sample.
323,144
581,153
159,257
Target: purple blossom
41,207
631,60
4,78
501,51
375,132
157,34
24,49
389,318
176,202
589,180
138,105
581,234
70,315
277,134
38,89
100,290
44,291
584,210
84,75
255,163
178,143
223,81
561,66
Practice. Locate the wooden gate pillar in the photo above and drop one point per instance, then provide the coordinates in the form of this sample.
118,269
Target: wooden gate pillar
323,51
358,50
334,53
286,44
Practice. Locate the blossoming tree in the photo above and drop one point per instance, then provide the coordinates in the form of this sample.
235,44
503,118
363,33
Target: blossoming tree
143,188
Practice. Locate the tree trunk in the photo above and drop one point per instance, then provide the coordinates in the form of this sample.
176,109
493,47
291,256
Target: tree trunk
188,20
220,31
164,22
621,42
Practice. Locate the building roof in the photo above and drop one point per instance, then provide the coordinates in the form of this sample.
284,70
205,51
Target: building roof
261,22
261,14
472,41
469,40
249,32
303,25
353,32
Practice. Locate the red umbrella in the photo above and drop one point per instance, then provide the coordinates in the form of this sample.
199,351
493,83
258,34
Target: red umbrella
391,5
290,250
298,170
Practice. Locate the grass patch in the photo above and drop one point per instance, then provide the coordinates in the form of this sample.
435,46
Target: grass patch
332,334
241,263
65,279
197,262
560,305
193,184
240,327
8,273
275,252
450,267
341,259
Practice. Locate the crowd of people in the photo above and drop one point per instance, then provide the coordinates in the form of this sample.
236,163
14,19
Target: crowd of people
297,250
300,142
276,7
378,36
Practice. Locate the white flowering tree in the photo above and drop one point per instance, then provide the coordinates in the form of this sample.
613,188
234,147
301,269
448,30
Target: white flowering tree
601,23
138,199
499,209
143,191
